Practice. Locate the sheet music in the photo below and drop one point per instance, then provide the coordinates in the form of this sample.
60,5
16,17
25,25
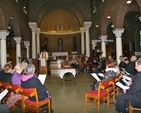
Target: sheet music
126,77
43,62
95,76
3,94
42,78
125,71
101,74
122,86
125,81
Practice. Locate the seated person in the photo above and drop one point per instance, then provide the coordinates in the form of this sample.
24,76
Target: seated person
74,64
31,81
16,78
122,63
66,63
88,65
7,74
133,94
110,72
24,63
101,64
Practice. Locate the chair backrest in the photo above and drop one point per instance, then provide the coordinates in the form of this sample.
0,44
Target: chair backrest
14,88
4,85
105,85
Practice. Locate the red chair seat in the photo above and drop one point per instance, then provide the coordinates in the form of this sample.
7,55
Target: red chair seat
95,93
34,102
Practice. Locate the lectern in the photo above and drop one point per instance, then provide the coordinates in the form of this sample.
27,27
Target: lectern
44,66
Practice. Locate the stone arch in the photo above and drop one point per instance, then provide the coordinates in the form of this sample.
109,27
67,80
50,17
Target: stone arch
14,23
65,6
104,26
123,9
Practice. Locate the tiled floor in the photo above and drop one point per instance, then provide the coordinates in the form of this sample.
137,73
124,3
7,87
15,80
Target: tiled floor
69,97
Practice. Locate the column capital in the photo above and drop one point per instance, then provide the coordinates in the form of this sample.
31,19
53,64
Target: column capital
18,40
3,34
26,43
32,25
37,31
82,30
118,31
103,38
87,25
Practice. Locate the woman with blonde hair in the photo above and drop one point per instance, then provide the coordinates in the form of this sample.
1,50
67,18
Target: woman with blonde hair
16,78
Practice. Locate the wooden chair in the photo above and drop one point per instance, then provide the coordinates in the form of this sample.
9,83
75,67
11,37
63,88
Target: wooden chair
15,89
33,106
131,108
3,86
99,96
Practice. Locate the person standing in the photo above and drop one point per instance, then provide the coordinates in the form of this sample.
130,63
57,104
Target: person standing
44,54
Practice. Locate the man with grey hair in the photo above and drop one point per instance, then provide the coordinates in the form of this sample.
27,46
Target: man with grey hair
130,67
133,94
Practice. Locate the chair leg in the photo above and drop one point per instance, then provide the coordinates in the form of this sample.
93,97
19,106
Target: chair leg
86,100
49,107
98,106
13,109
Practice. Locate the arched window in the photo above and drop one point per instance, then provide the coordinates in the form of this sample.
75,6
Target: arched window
74,44
60,45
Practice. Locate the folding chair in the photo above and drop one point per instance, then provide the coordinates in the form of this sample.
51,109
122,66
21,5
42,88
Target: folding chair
99,96
33,106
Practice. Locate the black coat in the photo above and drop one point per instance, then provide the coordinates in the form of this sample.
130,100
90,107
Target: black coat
134,91
6,77
34,82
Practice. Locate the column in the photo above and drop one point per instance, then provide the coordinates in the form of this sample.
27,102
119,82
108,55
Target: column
18,49
26,44
103,45
33,27
82,31
3,50
87,26
118,33
38,40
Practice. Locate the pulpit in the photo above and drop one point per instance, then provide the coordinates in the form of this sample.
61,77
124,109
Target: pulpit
44,66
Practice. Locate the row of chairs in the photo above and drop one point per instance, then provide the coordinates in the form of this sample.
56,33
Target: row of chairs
25,103
106,90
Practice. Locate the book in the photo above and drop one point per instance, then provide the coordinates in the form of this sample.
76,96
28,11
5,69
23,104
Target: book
125,81
125,71
42,78
101,74
2,94
95,76
121,85
126,77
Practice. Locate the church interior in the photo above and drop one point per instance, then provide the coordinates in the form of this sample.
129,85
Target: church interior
66,28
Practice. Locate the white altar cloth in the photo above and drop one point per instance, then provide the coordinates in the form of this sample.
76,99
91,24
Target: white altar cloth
63,71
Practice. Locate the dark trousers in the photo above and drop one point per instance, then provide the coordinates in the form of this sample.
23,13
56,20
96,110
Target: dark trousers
122,102
4,108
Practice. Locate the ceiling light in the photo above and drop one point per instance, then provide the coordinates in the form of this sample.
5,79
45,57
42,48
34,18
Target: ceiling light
128,1
96,25
108,16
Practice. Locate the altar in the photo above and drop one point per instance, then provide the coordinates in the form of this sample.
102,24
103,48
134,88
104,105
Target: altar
64,71
59,54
